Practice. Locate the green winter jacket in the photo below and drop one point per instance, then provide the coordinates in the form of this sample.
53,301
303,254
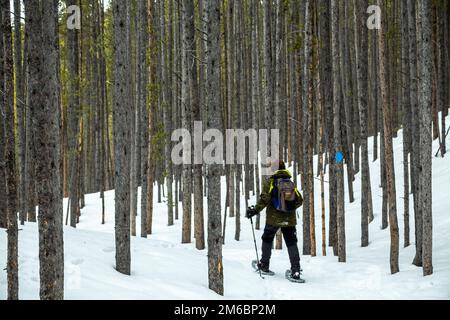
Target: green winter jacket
273,216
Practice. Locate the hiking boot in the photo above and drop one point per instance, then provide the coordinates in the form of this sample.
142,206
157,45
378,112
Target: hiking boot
265,269
295,275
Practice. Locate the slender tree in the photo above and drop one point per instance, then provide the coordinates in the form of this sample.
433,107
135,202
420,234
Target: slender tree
143,38
215,265
167,112
389,154
425,168
338,167
360,33
3,194
413,76
308,205
8,116
73,114
188,45
43,43
121,109
20,108
406,120
197,116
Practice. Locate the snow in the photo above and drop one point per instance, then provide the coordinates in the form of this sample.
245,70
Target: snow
163,268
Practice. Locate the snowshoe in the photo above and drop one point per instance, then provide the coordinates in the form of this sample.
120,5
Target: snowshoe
294,277
264,271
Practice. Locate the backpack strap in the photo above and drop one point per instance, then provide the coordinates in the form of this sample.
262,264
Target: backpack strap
272,182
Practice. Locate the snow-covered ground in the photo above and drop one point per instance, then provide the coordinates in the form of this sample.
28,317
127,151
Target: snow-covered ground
163,268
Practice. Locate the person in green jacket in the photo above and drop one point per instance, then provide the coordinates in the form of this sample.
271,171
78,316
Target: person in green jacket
276,219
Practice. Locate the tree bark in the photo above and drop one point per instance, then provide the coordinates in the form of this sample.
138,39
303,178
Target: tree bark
215,265
196,113
413,75
143,47
389,156
326,77
347,101
12,267
3,193
187,44
406,120
308,204
51,247
20,108
338,167
73,113
121,108
167,106
362,76
426,135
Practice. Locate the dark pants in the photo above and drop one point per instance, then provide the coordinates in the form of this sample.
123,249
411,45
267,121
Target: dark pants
290,238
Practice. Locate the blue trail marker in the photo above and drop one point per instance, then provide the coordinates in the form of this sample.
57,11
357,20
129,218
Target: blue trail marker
339,157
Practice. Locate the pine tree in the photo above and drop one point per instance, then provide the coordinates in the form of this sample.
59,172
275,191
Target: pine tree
8,91
406,119
389,154
143,39
338,167
73,110
20,107
186,87
46,109
121,109
425,53
215,264
362,62
3,194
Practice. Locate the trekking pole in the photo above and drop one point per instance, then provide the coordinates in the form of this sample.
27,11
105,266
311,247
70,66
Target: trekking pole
256,247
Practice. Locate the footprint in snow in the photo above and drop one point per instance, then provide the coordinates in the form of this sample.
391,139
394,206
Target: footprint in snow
77,261
108,249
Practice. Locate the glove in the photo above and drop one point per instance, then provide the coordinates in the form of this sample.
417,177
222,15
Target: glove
251,211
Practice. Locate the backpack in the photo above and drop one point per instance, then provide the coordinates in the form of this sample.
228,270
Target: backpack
283,195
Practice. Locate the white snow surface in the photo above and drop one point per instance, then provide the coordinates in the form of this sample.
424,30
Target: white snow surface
163,268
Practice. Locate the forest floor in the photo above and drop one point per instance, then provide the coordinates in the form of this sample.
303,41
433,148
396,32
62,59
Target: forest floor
163,268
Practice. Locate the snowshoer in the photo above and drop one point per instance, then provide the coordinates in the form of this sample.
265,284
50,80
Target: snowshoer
281,198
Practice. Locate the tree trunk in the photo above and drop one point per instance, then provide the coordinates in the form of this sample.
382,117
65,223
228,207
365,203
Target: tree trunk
12,267
51,249
326,77
338,167
415,181
215,265
442,93
308,132
196,113
188,44
347,101
20,107
167,112
362,76
376,94
321,123
3,192
406,120
268,72
389,156
426,136
30,167
255,88
122,107
143,47
73,110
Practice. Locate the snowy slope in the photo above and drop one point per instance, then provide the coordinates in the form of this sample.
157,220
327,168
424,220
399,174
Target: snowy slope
162,268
